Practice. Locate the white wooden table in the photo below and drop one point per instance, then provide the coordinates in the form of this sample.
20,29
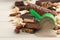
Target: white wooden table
7,28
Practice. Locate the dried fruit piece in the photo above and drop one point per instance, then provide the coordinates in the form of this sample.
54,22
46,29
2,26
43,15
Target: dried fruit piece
14,14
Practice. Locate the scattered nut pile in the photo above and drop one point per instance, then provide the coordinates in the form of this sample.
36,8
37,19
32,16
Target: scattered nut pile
27,22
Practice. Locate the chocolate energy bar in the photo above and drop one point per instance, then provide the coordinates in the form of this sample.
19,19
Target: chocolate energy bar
34,25
19,3
22,8
40,10
27,17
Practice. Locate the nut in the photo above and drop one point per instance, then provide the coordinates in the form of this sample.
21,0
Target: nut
27,30
58,31
16,9
17,31
58,22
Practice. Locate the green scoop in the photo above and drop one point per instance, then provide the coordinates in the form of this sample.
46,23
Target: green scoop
39,17
45,17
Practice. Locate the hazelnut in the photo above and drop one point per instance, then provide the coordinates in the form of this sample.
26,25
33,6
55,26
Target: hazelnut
58,22
17,31
19,27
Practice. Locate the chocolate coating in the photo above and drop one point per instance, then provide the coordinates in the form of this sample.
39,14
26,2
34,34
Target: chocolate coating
40,10
34,25
19,3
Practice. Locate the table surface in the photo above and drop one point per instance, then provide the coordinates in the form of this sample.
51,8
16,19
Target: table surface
7,28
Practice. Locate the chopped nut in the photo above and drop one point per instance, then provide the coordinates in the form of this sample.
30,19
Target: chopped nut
58,31
16,9
27,30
